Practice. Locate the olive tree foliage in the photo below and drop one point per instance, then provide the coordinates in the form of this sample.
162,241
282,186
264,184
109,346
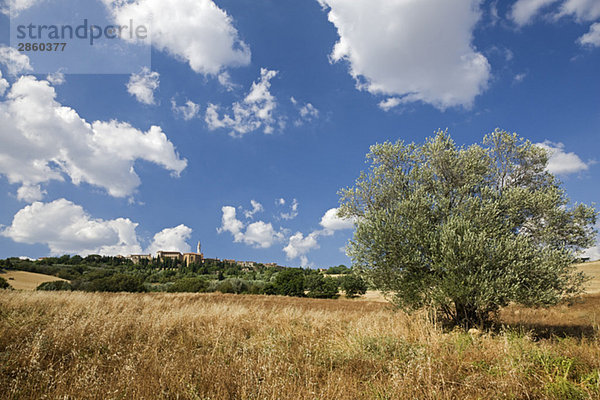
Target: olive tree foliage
466,230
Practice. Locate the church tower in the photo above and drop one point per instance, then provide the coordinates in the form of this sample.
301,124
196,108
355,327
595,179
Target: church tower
199,248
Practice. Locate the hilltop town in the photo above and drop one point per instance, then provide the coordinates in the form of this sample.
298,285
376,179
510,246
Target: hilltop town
188,259
175,258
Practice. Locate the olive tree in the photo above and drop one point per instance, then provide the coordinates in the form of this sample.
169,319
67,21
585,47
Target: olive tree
466,230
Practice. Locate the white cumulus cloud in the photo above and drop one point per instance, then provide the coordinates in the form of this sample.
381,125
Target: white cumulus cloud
42,140
57,78
257,234
299,245
256,207
331,222
15,61
582,10
561,162
196,31
255,111
389,103
261,235
523,11
14,7
591,38
30,193
225,80
418,51
187,111
3,84
292,213
230,223
143,85
306,112
67,229
171,239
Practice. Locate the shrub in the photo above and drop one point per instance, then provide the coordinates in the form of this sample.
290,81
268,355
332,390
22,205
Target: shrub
340,269
192,285
3,283
353,286
113,283
233,285
320,287
289,282
55,285
256,287
68,273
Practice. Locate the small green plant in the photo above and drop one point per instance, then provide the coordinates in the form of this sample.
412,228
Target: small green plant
562,389
563,374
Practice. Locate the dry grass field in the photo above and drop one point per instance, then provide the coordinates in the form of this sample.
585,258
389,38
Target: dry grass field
23,280
592,269
74,345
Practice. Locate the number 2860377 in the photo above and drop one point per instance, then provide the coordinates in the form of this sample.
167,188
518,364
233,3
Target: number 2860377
26,46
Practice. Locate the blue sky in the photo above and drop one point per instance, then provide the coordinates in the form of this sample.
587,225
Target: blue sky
250,116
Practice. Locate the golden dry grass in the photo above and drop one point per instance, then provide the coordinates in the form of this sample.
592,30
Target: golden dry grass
23,280
374,295
74,345
591,269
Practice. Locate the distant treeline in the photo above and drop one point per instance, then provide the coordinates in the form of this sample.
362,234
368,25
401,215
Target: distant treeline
116,274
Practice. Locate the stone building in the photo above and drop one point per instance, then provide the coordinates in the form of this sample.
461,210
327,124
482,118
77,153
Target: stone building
137,258
193,258
174,255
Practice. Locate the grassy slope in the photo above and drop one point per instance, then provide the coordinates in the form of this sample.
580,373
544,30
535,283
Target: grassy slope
201,346
592,269
23,280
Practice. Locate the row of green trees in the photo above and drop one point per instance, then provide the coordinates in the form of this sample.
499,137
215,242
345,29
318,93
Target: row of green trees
297,282
286,282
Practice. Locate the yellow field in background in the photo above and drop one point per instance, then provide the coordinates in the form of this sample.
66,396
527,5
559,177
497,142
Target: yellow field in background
23,280
591,269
